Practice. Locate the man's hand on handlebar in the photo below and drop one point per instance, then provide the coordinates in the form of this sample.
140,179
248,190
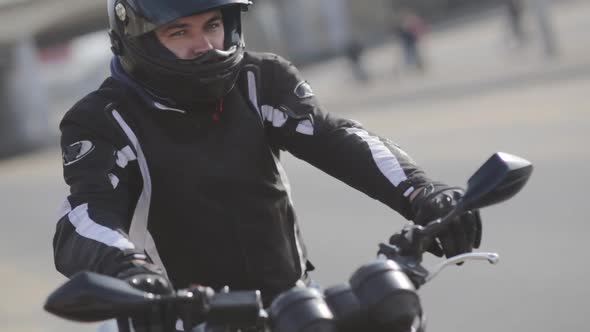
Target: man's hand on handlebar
146,277
436,200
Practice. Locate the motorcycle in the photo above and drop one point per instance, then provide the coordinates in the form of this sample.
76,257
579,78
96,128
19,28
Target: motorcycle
379,296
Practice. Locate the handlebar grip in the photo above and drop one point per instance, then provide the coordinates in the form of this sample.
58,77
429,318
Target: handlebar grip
388,294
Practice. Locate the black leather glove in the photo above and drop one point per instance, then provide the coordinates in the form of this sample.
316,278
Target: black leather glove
149,278
463,234
146,277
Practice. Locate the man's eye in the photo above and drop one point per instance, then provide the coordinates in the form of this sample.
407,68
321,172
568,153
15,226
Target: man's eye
213,26
178,33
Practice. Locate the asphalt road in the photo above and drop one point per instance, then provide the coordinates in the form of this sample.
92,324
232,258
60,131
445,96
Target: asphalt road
539,284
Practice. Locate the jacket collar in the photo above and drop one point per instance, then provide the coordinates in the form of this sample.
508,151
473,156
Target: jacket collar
157,102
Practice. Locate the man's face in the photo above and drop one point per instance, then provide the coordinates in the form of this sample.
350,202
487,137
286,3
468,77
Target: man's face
191,36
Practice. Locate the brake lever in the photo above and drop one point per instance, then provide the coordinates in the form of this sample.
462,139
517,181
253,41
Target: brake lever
411,244
491,257
417,273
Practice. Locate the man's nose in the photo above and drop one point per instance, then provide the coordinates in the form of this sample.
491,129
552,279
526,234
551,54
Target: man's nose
201,45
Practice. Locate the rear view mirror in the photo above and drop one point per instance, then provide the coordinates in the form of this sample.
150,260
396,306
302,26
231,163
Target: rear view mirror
91,297
499,178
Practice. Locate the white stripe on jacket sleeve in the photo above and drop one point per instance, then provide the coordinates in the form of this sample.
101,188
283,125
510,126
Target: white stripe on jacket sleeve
385,160
88,228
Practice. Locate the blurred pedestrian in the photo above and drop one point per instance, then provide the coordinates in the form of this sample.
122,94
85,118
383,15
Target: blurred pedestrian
410,28
542,13
354,52
515,11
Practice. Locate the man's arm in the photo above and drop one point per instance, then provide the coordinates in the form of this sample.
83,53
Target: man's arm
92,232
365,161
340,147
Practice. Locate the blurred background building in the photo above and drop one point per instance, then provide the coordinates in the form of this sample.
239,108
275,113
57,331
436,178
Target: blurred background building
52,52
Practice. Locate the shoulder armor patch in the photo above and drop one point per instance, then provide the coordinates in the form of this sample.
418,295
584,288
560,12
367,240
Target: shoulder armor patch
303,90
76,151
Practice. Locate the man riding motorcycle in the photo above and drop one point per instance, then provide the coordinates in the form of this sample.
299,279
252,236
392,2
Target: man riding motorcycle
174,162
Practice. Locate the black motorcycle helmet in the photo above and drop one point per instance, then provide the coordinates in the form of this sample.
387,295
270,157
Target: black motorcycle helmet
204,79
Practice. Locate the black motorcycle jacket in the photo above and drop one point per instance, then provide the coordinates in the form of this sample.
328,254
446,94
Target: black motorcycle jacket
201,191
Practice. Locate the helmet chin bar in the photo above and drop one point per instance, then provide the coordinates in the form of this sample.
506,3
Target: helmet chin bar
214,56
228,52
